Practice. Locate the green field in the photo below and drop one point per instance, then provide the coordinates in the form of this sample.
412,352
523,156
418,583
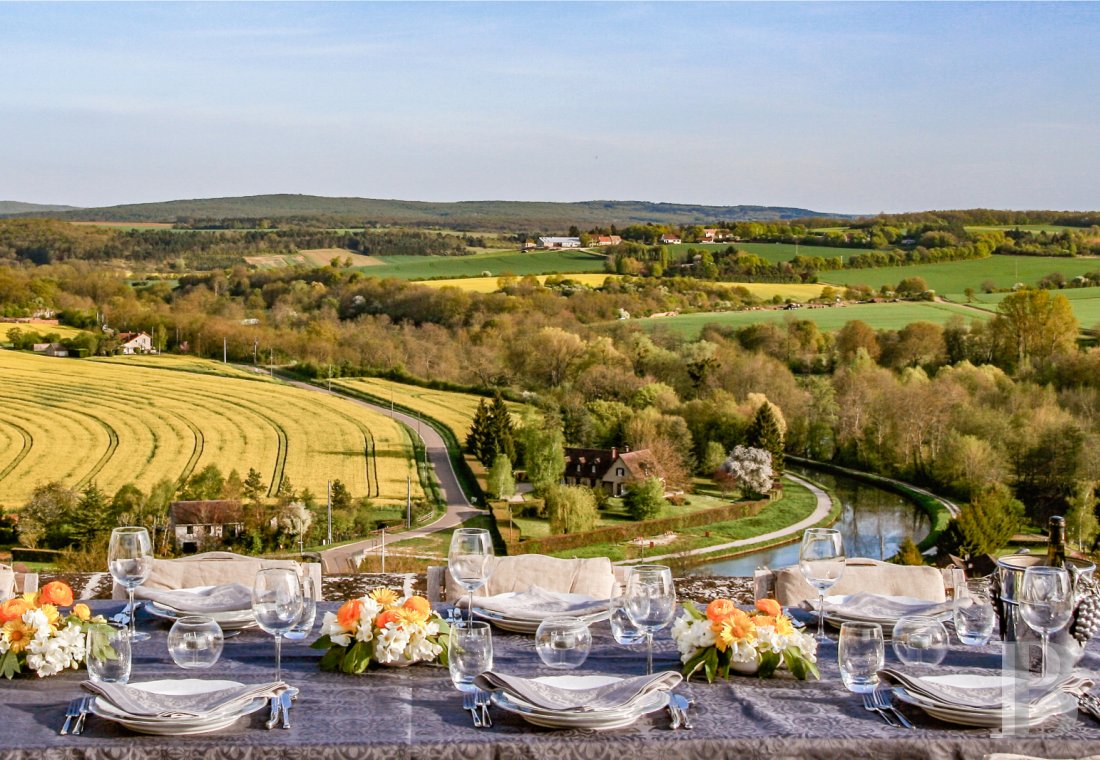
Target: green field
957,276
80,421
1021,227
882,316
1085,303
774,252
513,262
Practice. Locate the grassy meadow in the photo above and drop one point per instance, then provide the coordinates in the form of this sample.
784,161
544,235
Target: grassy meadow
495,263
880,316
1085,303
957,276
774,252
80,421
45,328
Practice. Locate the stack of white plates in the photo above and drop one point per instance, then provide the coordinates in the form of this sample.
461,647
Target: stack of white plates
177,726
527,620
1024,715
596,719
229,620
882,609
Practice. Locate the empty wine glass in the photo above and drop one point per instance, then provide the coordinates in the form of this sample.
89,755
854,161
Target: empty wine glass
919,640
277,605
622,627
650,602
974,615
195,641
563,642
130,560
304,624
468,560
1046,602
821,560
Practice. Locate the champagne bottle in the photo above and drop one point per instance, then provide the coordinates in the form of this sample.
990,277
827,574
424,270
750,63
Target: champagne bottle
1056,547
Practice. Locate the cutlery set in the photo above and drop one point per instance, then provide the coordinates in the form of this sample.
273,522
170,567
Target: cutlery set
477,704
280,706
678,706
879,701
78,708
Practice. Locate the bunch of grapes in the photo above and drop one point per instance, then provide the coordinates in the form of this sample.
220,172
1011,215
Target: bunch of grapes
1086,620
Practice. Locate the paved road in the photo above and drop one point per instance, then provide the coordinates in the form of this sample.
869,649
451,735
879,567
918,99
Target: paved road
336,560
824,506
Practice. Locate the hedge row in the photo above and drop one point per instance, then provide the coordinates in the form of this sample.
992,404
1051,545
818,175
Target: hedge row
23,554
628,530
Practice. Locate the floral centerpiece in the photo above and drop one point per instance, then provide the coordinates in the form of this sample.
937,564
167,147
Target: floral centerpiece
385,628
36,635
725,638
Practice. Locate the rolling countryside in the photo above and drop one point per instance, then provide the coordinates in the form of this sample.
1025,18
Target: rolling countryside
107,423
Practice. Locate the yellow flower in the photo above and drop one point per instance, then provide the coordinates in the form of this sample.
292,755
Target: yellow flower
737,627
783,626
83,612
16,633
31,598
51,613
386,597
406,616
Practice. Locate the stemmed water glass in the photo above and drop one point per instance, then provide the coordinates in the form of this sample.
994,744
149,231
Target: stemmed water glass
468,560
277,605
130,560
821,560
304,624
650,600
1046,602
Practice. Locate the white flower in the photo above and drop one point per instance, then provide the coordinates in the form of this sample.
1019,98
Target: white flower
37,620
391,643
338,634
368,611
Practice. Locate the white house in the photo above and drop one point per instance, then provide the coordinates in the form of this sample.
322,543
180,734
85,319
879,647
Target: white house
135,343
670,239
198,524
559,242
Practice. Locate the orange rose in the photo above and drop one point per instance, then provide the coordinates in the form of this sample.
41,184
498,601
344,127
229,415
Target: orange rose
13,609
418,604
720,609
348,614
387,617
769,607
83,612
56,593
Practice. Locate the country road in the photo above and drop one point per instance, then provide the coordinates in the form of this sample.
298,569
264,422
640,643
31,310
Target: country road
336,560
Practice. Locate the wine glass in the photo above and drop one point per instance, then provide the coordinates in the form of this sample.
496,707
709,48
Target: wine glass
304,624
468,560
1046,602
821,560
650,602
277,605
130,560
622,627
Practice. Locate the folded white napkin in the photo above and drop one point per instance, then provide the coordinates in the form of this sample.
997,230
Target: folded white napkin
138,702
993,697
877,608
537,604
230,597
610,696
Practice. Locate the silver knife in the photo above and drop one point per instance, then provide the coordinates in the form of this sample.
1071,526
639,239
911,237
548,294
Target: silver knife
273,716
285,701
682,707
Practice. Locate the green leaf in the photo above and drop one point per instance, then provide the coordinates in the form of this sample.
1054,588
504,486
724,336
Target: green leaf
799,666
333,658
358,657
9,665
693,664
769,661
322,643
710,662
691,609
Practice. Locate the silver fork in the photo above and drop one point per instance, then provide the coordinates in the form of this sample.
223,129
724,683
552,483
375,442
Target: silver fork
869,704
881,699
482,700
123,617
469,703
85,706
71,712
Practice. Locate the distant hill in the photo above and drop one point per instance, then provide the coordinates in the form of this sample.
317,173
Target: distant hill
462,215
16,207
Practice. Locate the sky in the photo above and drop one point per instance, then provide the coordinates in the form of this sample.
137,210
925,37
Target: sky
850,107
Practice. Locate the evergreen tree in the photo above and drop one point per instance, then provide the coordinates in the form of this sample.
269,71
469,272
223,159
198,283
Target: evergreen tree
206,484
502,430
91,517
254,486
479,433
765,433
233,487
988,522
908,553
501,481
341,497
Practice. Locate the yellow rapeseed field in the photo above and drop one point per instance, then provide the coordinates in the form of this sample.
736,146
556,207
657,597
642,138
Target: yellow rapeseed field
113,422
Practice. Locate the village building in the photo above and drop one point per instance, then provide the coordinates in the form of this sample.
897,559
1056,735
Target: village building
51,349
609,469
135,343
602,240
197,525
559,242
670,239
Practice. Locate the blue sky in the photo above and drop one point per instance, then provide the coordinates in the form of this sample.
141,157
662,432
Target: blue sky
857,107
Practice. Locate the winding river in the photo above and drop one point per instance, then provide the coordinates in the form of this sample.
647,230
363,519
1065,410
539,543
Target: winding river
874,523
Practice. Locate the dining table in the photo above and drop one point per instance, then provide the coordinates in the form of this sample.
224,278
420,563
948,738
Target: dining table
416,712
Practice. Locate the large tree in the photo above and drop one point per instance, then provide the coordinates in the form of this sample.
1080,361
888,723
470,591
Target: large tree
645,499
572,509
543,451
765,433
1033,325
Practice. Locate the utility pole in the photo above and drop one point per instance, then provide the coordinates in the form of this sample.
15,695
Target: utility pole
330,378
329,491
225,350
409,502
271,373
383,549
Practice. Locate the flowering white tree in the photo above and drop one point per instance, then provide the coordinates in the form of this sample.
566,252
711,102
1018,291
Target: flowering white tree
296,519
750,468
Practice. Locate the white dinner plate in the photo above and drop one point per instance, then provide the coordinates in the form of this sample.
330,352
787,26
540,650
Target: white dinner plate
526,625
177,726
229,621
595,720
1056,703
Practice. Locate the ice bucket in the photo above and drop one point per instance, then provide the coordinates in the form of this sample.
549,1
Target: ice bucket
1010,577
